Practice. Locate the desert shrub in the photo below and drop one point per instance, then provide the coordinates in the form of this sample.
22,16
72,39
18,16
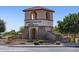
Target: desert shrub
8,42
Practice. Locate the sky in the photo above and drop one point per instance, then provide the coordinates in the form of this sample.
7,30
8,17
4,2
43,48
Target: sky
14,16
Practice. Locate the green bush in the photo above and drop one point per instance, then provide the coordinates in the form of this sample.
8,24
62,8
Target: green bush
36,43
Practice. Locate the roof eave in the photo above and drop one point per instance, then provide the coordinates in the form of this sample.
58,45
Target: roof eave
37,9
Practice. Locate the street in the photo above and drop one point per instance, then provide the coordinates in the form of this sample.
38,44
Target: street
38,49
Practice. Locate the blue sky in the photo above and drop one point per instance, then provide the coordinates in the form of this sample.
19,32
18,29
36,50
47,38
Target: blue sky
14,17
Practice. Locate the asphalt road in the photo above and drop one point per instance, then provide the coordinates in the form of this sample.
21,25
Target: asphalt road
38,49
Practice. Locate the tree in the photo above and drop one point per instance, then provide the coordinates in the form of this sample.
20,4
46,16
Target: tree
13,33
21,30
70,24
55,29
2,26
10,33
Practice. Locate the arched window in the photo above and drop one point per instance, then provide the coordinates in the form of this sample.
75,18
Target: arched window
33,15
47,15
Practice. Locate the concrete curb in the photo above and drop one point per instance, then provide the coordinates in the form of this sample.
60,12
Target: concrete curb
43,46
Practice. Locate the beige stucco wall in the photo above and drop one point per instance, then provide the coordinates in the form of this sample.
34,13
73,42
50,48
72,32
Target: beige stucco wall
27,15
41,14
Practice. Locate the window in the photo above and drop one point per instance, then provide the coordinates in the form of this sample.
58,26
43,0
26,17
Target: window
33,15
47,15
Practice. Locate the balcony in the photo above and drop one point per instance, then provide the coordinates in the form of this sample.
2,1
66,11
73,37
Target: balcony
38,23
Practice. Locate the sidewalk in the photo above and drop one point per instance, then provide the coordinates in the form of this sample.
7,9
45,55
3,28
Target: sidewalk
62,45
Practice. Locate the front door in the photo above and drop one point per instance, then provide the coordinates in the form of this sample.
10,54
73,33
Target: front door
33,33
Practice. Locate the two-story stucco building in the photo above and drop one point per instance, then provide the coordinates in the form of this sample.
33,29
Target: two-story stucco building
38,21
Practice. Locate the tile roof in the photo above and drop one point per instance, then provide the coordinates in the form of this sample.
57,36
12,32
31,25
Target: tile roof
38,8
